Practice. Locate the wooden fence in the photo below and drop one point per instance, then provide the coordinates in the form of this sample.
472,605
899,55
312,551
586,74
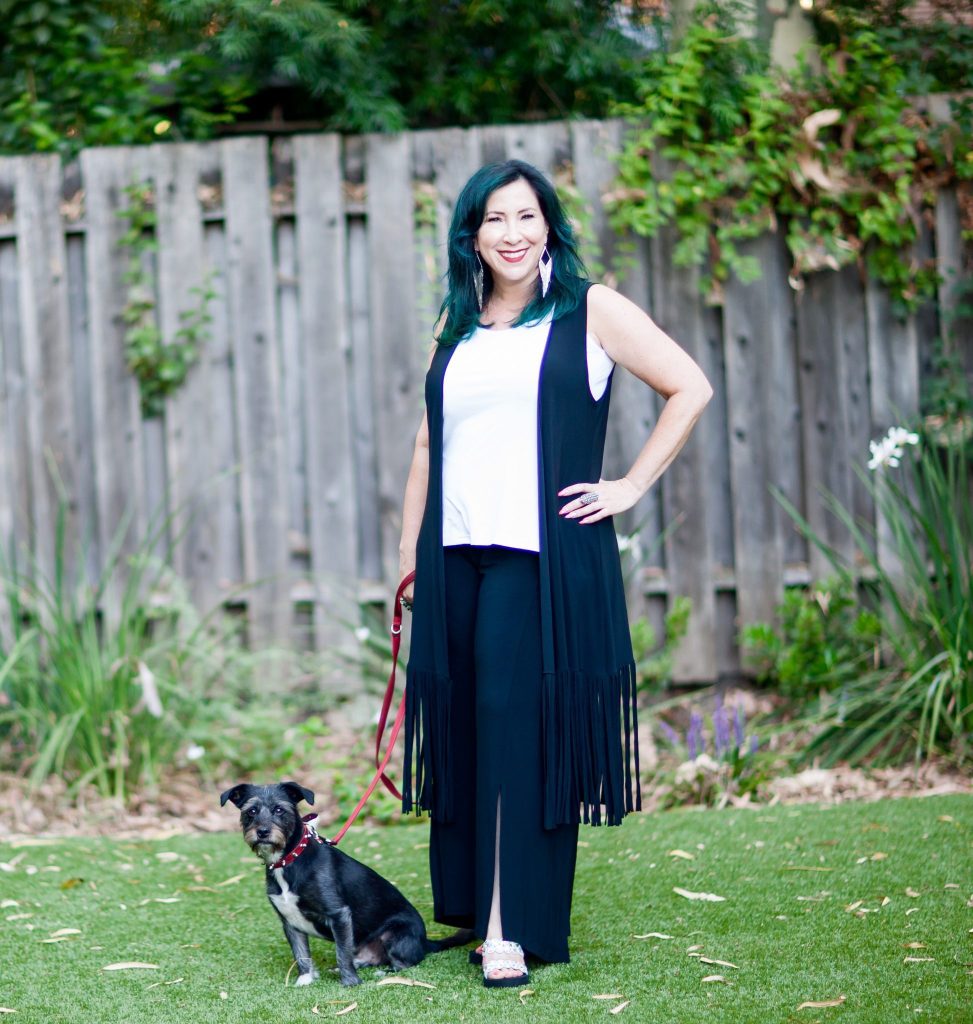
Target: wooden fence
285,453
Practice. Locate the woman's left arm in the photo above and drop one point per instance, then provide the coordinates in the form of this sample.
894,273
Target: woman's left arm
634,341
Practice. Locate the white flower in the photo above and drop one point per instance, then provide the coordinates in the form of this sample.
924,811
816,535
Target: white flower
691,771
362,634
889,451
194,752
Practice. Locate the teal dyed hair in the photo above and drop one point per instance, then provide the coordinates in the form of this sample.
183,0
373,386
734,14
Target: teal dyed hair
462,315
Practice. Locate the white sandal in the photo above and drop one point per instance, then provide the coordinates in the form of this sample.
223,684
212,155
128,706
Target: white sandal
501,959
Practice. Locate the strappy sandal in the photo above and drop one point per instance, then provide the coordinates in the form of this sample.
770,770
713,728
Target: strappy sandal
504,951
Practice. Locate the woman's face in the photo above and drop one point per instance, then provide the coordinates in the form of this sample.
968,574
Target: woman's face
513,234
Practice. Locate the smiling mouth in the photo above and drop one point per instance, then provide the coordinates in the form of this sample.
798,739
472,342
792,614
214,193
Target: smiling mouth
513,257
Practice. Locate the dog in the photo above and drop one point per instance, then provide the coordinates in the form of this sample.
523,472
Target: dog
320,892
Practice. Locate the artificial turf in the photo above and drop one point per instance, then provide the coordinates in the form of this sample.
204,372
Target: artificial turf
865,906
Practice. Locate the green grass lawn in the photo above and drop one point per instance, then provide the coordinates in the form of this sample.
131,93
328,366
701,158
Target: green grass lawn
868,903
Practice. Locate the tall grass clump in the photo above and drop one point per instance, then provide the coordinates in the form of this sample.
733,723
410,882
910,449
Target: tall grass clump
111,685
917,697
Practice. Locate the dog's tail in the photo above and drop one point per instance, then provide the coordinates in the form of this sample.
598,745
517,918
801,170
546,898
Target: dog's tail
458,938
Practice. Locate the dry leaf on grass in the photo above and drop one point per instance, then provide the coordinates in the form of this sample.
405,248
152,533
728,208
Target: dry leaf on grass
6,1009
913,945
620,1007
708,896
911,893
523,994
347,1009
822,1004
681,853
65,931
398,979
718,963
652,935
715,977
609,995
917,959
133,965
231,881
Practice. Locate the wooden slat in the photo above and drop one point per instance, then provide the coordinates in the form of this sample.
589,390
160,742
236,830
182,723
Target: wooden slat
825,420
85,486
456,157
893,361
759,347
958,331
398,352
332,505
189,413
16,481
45,344
292,390
545,146
119,464
250,292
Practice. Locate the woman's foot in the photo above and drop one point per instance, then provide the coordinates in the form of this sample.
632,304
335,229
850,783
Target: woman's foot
503,964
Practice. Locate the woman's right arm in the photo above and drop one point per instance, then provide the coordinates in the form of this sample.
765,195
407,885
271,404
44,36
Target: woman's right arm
414,503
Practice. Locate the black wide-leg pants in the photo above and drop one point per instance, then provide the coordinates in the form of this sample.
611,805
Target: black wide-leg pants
494,638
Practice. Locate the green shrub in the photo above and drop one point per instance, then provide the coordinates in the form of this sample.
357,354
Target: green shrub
823,638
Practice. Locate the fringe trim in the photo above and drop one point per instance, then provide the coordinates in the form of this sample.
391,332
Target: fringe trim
428,697
586,766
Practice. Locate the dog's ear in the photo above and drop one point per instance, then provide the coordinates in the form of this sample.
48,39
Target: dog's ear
238,795
298,792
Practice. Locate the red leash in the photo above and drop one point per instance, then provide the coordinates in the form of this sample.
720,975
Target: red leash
382,762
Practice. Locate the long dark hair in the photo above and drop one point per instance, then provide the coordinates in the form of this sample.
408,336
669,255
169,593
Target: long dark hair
462,314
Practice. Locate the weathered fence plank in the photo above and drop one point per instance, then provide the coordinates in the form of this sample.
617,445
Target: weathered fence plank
825,420
399,357
16,482
250,291
119,459
190,467
332,506
47,358
757,340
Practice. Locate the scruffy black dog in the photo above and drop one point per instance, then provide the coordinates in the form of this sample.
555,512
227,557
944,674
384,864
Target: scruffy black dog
319,891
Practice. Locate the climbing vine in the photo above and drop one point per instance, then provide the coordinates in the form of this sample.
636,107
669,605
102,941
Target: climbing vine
725,147
159,365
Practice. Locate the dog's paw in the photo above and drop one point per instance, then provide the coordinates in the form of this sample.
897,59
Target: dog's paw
350,979
306,979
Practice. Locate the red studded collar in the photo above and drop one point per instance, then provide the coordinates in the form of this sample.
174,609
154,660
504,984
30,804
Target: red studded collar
309,834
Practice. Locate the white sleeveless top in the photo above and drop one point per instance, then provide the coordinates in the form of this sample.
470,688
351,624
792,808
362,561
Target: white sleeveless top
490,434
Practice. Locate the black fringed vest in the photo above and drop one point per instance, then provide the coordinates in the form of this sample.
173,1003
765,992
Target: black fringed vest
590,743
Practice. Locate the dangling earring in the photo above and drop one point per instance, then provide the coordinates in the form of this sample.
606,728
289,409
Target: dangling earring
545,270
478,280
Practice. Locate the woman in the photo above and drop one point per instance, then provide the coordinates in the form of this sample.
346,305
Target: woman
521,676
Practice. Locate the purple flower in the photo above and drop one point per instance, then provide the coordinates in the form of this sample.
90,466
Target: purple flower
721,728
694,737
670,734
738,726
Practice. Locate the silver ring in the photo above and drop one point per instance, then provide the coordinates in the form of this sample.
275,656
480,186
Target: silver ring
587,499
